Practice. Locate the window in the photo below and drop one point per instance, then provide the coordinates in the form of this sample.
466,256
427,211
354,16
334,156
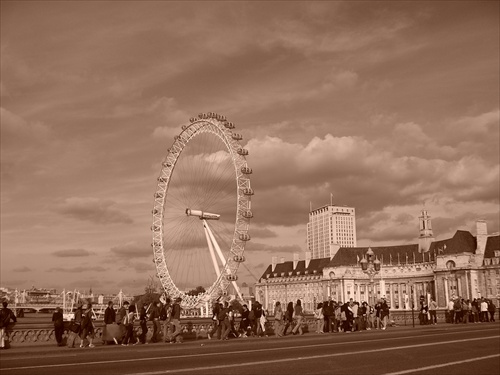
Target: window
450,264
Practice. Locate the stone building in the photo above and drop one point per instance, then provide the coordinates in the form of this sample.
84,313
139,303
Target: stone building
464,265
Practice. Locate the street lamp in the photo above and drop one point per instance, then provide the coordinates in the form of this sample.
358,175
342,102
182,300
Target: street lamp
371,266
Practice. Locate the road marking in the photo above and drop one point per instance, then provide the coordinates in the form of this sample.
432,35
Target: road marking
239,352
160,348
442,365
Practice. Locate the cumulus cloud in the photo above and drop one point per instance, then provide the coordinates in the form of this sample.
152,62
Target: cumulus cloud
69,253
95,210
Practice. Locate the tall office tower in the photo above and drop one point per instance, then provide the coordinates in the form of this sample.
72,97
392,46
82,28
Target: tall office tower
329,228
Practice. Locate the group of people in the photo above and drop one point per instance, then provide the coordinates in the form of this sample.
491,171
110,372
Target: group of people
119,324
462,310
351,316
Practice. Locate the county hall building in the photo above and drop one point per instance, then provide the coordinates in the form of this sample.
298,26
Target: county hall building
466,265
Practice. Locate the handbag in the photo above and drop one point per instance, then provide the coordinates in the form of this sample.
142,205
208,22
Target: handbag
74,327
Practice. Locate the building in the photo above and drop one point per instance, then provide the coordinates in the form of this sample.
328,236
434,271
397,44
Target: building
465,265
329,228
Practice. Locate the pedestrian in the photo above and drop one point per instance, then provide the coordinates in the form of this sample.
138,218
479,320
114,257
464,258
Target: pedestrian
251,320
6,315
215,321
384,313
288,317
143,317
175,322
299,315
491,309
451,311
87,328
432,311
111,330
338,316
320,318
165,317
57,319
484,310
155,318
465,311
424,309
363,316
475,310
457,310
224,321
76,326
232,315
257,327
327,311
128,323
278,319
245,326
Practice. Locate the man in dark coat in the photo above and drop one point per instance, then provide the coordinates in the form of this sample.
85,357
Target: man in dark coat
57,319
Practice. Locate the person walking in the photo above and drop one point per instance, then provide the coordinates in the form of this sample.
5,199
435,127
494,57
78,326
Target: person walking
110,328
175,321
299,316
384,313
432,311
492,309
155,318
57,320
320,319
87,326
128,323
143,317
288,317
278,319
76,326
6,315
245,326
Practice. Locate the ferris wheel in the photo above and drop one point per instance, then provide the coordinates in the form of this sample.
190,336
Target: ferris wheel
202,211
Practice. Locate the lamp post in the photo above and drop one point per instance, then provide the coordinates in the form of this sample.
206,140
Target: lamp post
371,266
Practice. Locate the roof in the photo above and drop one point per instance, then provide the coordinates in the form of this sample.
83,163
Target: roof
385,254
461,242
492,244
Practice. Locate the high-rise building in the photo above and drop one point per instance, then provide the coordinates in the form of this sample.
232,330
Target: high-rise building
329,228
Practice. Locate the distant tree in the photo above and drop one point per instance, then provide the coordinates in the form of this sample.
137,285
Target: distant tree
152,293
195,292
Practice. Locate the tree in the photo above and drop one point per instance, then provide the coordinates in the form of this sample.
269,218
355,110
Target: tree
195,292
151,294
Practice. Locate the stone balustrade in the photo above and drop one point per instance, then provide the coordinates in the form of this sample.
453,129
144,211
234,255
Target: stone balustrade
29,334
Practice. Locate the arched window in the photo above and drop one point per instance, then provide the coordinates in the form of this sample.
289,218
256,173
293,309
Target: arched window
450,264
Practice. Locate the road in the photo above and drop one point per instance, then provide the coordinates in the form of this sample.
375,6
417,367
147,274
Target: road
441,349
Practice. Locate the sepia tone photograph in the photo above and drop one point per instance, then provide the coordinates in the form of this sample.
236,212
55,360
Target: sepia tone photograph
314,181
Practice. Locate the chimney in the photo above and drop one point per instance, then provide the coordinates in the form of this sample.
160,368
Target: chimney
481,236
308,258
282,260
274,260
295,260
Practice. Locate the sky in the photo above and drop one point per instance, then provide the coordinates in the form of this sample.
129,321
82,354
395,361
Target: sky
388,106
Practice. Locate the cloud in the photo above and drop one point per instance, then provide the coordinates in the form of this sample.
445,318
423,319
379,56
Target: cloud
78,269
22,269
67,253
95,210
131,250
